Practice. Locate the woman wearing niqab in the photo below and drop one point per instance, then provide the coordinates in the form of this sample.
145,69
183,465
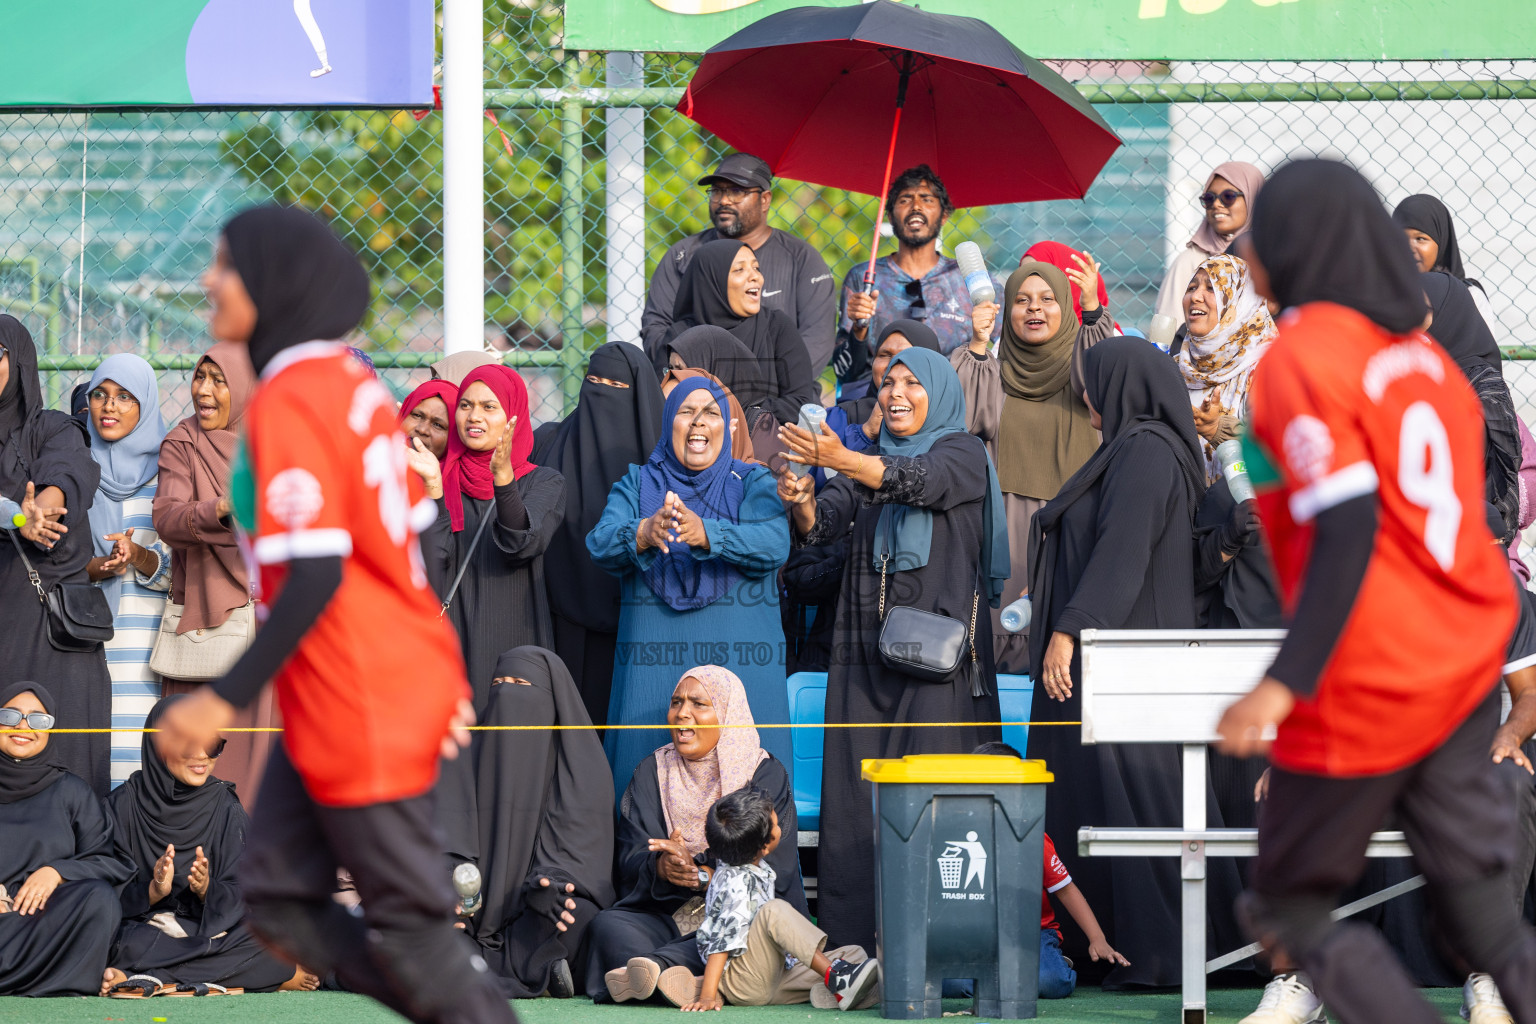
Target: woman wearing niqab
546,826
616,423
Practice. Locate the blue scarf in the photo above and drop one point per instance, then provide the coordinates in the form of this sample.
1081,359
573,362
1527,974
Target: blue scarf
683,581
906,532
126,464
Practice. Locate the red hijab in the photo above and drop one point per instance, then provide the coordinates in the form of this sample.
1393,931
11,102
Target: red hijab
469,472
433,388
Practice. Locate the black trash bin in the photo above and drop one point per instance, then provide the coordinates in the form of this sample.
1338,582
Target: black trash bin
957,875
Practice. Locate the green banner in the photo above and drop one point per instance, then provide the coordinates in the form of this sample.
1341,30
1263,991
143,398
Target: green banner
1124,29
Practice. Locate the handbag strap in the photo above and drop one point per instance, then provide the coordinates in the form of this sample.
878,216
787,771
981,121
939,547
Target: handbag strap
468,557
37,581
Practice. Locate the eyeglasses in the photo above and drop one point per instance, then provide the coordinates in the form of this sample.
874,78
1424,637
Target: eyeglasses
122,399
217,748
1228,196
39,721
733,193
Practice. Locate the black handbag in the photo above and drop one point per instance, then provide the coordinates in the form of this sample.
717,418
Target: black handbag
79,618
928,645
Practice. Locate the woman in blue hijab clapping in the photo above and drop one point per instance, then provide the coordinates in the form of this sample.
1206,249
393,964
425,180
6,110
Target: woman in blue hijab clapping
928,532
131,566
696,538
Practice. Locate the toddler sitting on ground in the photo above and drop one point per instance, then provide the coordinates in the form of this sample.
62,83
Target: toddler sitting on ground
758,950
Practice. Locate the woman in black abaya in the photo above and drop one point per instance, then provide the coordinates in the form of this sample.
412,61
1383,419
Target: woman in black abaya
929,497
58,907
723,287
51,451
183,831
1115,550
616,424
546,827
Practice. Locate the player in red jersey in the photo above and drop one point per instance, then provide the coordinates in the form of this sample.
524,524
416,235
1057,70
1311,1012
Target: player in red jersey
367,674
1366,445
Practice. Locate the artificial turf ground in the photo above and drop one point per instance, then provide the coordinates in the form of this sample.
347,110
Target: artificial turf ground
1088,1006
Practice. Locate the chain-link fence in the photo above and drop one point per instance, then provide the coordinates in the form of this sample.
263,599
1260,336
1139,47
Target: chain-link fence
108,218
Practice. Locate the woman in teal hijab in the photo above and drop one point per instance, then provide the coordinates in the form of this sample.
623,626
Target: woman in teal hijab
925,506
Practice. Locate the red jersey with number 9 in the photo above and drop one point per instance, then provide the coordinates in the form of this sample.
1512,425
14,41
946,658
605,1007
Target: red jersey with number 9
367,696
1339,408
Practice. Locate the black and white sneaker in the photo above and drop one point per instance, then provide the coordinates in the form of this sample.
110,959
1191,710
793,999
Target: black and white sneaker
848,982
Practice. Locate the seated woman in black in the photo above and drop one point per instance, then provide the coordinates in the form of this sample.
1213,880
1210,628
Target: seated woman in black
547,850
183,832
58,910
664,864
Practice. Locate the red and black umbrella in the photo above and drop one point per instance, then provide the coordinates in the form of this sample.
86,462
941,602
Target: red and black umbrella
837,96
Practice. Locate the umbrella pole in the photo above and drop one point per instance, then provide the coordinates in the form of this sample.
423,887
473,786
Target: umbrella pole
885,184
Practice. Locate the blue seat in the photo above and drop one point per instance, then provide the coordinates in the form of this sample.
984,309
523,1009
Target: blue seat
808,706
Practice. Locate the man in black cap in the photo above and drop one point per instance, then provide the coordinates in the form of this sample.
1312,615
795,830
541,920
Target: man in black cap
796,279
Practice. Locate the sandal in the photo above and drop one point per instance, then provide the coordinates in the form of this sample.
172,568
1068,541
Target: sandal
194,989
139,986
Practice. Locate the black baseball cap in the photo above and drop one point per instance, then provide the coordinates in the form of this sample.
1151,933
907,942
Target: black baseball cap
742,169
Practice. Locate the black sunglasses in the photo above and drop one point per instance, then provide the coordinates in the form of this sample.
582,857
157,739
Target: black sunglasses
916,304
39,721
1228,196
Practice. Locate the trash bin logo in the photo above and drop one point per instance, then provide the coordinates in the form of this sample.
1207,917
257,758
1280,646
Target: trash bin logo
966,854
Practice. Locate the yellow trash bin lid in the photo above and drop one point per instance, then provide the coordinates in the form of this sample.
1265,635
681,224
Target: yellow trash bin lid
983,769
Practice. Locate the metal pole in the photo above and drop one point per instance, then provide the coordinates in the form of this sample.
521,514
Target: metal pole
463,176
626,203
572,264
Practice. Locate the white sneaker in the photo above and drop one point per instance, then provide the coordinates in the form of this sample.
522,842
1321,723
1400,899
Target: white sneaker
1481,1002
323,69
1288,999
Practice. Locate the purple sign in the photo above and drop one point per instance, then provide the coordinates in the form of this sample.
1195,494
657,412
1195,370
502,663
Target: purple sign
312,53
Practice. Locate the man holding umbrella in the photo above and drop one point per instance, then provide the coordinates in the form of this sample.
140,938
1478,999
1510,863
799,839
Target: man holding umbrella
796,279
913,283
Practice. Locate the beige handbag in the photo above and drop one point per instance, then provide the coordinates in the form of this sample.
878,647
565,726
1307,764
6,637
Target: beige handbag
199,655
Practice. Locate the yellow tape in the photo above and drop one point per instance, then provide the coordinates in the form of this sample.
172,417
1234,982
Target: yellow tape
650,728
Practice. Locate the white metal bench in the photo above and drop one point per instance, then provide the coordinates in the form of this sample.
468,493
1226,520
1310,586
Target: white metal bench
1171,686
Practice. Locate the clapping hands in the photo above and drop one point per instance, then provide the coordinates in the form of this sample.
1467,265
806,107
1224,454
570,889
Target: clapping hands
673,523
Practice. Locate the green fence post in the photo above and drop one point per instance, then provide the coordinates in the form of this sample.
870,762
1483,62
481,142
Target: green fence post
572,267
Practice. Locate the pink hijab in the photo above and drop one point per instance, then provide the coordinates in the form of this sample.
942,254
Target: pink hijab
690,788
1248,180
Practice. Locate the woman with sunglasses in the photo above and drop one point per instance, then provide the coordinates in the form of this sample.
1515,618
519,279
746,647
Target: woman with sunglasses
182,829
1228,203
132,567
46,466
58,871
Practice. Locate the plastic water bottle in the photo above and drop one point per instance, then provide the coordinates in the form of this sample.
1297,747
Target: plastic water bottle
1017,615
10,514
466,882
973,267
812,416
1229,455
